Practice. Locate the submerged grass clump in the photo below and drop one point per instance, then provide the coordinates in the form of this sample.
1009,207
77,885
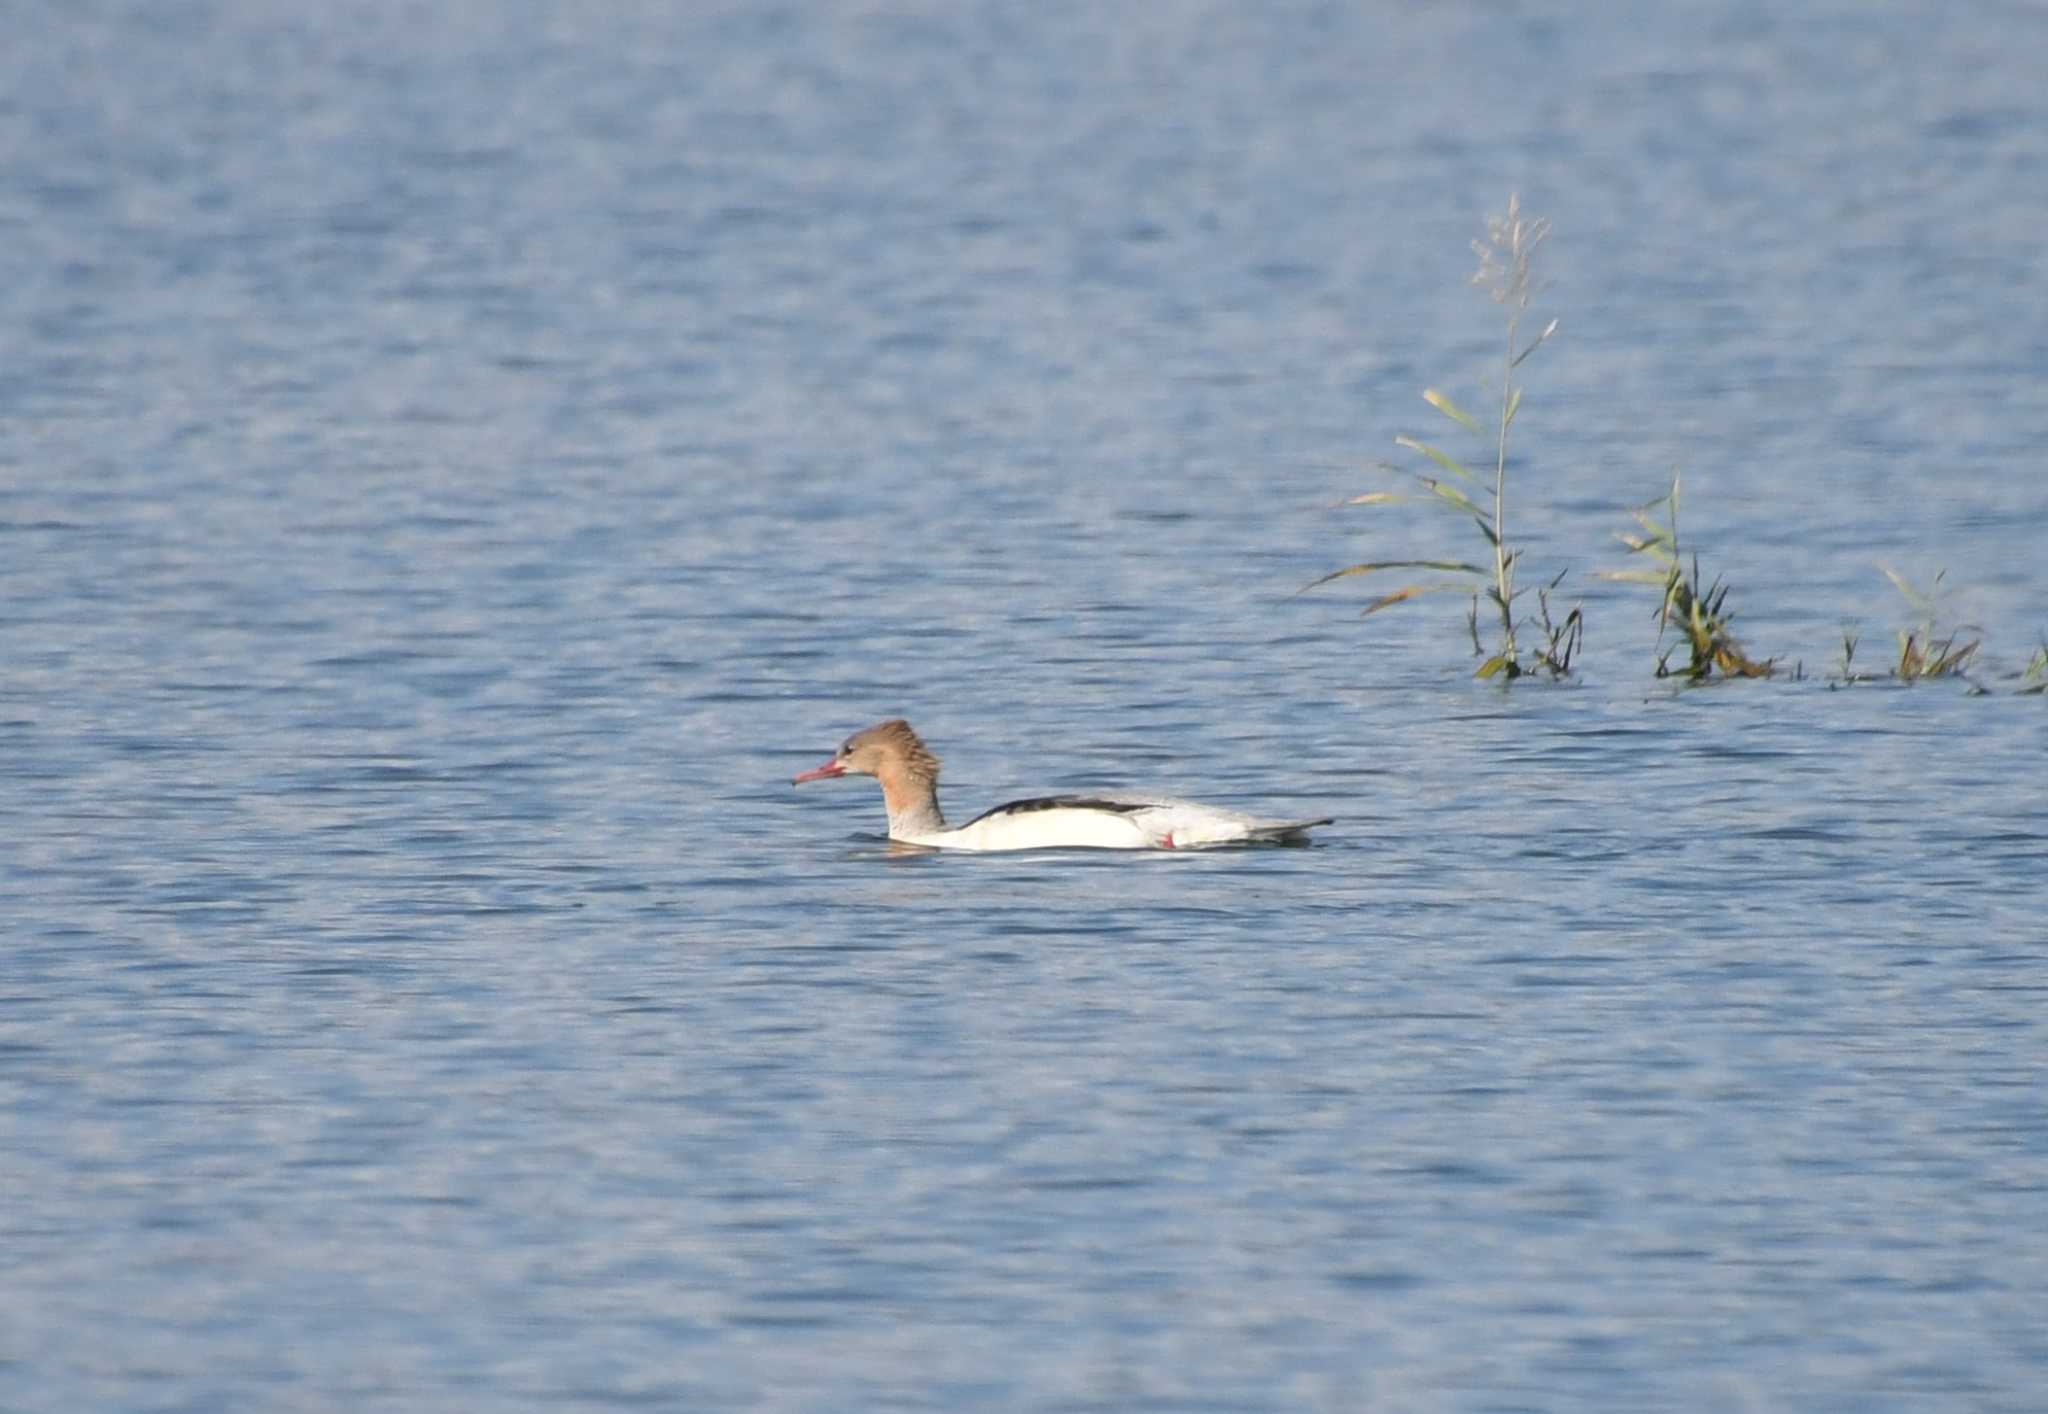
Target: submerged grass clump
1700,615
1506,262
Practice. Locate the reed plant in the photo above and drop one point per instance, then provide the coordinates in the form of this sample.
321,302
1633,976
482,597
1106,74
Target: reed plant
1700,615
1690,607
1848,671
1506,272
1929,647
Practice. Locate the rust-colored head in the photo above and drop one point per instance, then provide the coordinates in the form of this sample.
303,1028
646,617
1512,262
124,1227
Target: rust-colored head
888,749
891,752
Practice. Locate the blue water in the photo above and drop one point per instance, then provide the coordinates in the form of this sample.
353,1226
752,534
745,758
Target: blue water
458,461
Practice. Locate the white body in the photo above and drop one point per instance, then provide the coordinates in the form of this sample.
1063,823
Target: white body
1104,822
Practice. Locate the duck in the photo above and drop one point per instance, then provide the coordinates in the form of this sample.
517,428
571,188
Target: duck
909,774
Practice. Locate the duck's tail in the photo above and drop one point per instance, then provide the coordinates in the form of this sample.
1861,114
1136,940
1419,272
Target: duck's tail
1294,832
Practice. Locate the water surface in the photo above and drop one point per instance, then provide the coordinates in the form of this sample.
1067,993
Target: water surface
457,463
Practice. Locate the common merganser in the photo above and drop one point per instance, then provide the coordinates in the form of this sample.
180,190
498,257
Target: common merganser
909,773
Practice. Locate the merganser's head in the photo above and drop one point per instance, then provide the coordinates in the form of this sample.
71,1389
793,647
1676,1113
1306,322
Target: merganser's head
886,749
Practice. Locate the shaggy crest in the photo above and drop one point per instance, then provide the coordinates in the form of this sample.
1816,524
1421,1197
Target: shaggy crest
896,735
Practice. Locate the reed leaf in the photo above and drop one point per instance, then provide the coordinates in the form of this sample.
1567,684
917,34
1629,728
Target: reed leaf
1735,664
1442,459
1921,603
1407,592
2034,678
1656,546
1459,499
1451,410
1534,344
1374,566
